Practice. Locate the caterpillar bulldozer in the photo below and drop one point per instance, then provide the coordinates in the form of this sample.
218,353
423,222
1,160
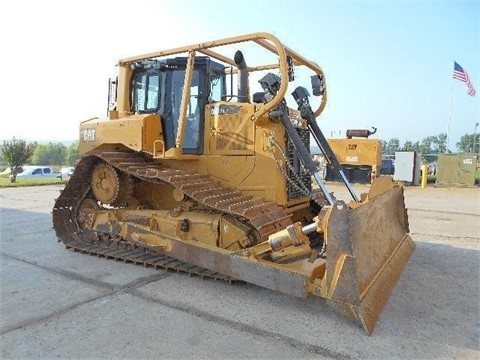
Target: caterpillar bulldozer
193,171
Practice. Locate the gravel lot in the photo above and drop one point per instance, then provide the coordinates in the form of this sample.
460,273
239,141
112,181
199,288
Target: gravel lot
57,303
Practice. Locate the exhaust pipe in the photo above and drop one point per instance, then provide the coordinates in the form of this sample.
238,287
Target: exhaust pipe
243,88
361,133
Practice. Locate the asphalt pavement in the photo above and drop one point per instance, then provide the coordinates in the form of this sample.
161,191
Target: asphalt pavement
56,303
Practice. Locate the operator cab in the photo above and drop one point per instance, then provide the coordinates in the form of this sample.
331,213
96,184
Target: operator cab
157,87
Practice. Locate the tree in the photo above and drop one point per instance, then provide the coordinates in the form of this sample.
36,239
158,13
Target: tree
33,145
384,147
440,144
50,154
16,153
425,148
72,154
391,146
466,143
411,146
429,147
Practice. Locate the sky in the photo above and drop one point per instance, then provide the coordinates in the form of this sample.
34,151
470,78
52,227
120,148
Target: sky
388,64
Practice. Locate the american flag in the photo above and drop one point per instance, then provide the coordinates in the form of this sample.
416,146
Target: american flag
462,75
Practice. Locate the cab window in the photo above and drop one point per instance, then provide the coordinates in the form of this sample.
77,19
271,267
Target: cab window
217,87
146,92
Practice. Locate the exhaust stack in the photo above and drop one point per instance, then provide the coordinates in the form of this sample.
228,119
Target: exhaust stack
243,88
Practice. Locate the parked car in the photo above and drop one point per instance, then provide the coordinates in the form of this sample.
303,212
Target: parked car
66,172
38,172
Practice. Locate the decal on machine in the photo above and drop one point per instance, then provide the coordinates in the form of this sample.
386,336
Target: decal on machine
87,135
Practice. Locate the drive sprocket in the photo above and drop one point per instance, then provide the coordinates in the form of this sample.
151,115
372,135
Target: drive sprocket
105,183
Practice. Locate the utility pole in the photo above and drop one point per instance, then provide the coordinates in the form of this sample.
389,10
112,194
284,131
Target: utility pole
474,150
449,115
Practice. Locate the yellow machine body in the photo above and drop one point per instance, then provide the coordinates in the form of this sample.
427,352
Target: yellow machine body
357,152
237,152
359,157
188,173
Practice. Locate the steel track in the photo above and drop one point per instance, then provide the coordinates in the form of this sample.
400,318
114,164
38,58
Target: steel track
266,217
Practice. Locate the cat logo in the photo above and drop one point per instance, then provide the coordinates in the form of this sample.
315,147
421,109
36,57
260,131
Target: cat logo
352,146
87,135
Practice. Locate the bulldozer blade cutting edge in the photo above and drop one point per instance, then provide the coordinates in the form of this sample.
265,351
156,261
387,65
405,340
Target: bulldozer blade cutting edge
368,248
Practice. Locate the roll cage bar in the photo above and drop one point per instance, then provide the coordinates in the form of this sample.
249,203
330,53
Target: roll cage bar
262,39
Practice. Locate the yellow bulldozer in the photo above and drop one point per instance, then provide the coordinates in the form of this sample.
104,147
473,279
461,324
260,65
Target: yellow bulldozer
193,171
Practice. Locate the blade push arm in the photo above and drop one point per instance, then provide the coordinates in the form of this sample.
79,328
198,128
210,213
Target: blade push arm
301,97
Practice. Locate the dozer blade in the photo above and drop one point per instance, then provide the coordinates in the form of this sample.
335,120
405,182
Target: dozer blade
368,247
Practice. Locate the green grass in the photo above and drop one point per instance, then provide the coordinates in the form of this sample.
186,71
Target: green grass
431,179
5,182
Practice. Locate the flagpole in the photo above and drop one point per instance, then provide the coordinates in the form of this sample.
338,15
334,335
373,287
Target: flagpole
449,114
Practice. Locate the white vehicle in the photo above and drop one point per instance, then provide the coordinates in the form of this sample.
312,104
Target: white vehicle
8,171
38,172
66,172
